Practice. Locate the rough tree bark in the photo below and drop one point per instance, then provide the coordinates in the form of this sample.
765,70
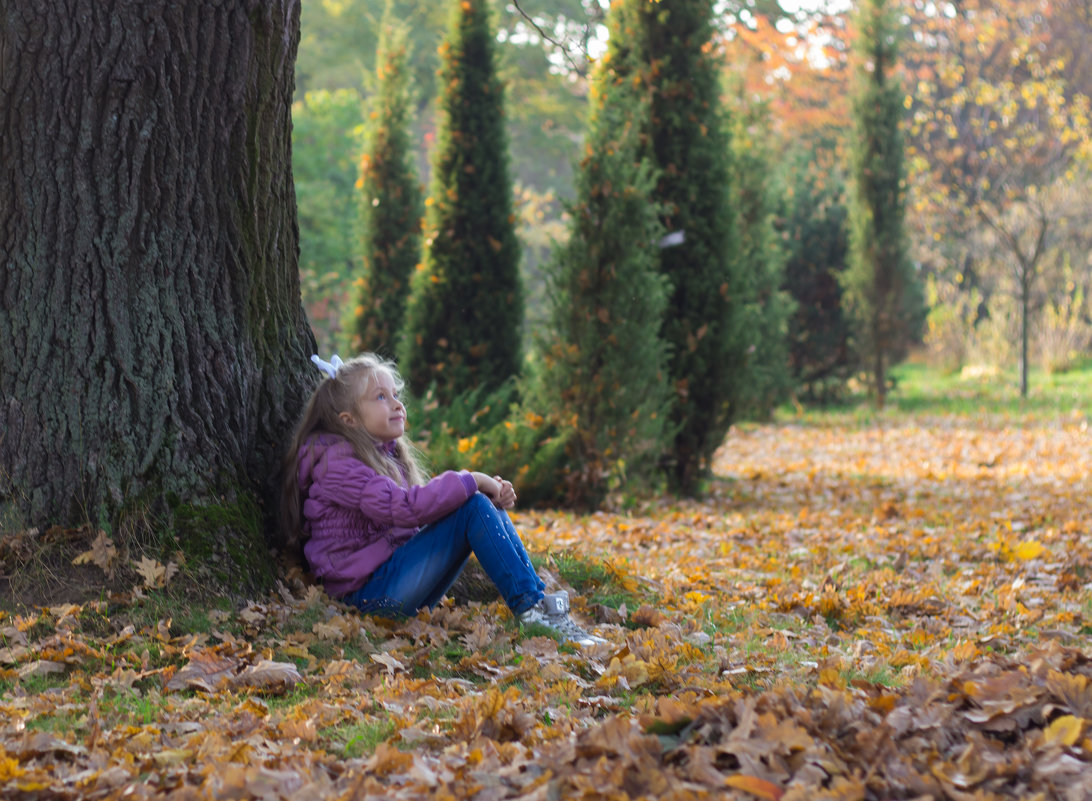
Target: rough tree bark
153,346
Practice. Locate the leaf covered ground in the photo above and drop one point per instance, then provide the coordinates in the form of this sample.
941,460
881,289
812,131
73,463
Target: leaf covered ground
893,609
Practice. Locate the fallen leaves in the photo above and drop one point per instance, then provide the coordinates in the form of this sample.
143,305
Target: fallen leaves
212,671
852,613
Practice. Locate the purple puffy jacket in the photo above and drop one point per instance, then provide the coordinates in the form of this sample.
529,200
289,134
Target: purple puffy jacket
356,517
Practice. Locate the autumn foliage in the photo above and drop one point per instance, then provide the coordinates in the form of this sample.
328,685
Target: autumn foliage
391,205
885,608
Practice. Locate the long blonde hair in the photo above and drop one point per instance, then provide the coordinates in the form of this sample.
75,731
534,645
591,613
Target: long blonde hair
332,397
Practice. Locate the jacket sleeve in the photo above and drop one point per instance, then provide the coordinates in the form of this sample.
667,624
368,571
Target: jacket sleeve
348,482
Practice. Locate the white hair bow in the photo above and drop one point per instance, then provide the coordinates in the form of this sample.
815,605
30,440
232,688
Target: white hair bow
331,367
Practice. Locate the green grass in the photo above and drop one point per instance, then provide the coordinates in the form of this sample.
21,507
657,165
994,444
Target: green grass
920,389
129,707
594,579
357,739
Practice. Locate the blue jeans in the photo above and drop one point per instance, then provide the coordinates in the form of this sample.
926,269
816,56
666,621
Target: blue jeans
421,570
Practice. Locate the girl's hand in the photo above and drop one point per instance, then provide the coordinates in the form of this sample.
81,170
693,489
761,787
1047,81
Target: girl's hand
499,491
506,498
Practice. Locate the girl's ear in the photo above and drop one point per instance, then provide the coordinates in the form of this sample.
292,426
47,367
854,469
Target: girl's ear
347,419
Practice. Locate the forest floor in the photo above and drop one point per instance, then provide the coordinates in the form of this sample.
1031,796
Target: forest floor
865,606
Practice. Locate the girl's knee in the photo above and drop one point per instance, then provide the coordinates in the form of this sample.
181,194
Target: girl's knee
480,502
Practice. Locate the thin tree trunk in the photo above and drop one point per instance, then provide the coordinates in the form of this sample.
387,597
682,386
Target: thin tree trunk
881,380
152,341
1025,305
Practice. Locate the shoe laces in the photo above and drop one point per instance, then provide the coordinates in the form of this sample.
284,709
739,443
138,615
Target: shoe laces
552,612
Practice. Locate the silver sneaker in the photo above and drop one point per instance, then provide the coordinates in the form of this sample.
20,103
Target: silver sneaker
553,613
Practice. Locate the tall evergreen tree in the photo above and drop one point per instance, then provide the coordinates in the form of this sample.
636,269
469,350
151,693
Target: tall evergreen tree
466,308
604,379
390,197
666,49
816,236
883,295
767,380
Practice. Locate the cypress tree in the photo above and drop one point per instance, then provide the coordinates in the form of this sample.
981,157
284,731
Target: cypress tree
604,379
466,307
761,259
667,51
391,206
816,237
883,295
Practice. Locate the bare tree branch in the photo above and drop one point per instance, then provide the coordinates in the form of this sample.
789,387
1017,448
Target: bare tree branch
564,50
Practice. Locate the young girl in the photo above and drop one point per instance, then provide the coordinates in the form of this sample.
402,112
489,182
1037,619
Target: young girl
379,534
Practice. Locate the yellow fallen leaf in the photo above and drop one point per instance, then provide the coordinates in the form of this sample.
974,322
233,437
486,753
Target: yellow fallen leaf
172,756
9,767
1028,550
1065,730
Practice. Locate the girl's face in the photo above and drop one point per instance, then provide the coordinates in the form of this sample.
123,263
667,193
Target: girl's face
378,409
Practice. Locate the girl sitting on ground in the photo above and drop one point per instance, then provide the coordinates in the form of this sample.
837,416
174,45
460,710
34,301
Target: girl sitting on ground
381,535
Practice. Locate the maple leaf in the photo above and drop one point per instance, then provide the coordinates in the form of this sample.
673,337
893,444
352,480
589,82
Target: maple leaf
153,573
480,635
102,553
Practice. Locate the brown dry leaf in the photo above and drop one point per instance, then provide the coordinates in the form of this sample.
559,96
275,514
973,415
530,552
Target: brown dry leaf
389,662
268,676
480,636
648,617
41,667
153,573
102,553
206,670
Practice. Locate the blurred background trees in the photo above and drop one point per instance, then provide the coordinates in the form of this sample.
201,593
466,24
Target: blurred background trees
991,105
390,202
465,312
881,288
999,137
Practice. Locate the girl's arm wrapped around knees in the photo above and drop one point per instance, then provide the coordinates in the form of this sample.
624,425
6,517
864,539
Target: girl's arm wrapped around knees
499,491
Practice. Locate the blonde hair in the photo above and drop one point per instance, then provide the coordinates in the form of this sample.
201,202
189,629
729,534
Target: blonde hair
323,413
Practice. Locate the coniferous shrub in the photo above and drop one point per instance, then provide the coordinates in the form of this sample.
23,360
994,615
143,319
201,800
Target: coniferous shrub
883,294
391,205
767,380
816,237
665,51
466,309
603,377
493,431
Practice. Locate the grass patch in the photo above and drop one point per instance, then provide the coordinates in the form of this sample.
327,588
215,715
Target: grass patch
354,740
599,581
130,707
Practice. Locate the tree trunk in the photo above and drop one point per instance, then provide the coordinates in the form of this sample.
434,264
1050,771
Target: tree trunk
881,378
153,347
1025,312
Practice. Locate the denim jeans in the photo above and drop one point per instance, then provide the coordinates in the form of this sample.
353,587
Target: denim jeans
421,570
